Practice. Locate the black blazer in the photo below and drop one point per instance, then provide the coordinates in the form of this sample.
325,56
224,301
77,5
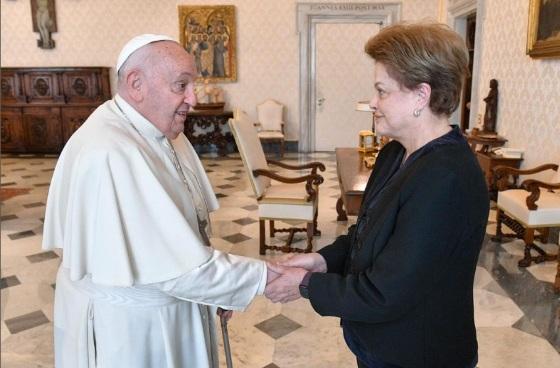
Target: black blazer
404,286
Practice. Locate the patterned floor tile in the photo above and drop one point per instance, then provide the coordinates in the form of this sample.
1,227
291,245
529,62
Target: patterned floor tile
20,235
271,365
8,281
278,326
8,217
245,221
236,238
31,205
25,322
251,207
39,257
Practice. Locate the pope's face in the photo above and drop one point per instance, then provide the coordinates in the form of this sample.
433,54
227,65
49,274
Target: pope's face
170,92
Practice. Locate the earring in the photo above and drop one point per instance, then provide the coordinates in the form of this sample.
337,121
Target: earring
416,112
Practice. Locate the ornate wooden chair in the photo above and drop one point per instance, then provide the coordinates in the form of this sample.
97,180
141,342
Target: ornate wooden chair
532,206
293,199
270,125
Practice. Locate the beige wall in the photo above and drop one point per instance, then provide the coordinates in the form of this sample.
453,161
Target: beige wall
529,89
92,33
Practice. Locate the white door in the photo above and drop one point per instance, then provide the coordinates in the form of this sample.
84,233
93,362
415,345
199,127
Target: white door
344,76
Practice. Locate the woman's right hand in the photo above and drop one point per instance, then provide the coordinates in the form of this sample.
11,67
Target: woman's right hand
313,262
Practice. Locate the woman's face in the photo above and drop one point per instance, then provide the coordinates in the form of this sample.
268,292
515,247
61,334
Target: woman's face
393,105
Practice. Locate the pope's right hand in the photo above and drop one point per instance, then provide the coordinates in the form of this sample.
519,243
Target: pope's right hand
313,262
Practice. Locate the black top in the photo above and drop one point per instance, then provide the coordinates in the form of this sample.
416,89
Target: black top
402,285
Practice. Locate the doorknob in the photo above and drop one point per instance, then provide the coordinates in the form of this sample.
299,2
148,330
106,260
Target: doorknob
320,101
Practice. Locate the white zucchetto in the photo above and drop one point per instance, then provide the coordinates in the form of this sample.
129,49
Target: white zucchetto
137,43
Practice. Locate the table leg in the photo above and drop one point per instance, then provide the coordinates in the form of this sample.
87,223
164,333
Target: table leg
340,210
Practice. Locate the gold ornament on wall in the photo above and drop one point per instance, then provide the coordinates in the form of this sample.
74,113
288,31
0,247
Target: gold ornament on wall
209,34
44,21
543,31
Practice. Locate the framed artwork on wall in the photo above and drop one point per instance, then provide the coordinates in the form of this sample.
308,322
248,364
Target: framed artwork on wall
209,34
543,32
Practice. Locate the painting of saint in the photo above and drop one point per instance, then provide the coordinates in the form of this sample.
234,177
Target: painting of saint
208,33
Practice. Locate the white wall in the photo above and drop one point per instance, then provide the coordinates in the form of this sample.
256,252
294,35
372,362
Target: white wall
92,32
529,89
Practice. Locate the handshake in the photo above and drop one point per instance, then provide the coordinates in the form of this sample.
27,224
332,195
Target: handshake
284,277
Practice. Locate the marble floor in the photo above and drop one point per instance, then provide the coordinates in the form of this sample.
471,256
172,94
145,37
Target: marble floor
517,313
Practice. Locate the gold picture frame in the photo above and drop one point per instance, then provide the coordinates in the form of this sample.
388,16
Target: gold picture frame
209,34
543,32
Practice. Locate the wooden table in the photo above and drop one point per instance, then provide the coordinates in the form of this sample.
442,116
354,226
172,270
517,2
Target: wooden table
352,178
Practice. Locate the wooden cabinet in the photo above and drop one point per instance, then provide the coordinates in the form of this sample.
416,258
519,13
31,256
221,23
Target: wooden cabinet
43,107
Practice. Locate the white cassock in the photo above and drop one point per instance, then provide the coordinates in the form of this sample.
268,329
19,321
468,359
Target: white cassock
137,287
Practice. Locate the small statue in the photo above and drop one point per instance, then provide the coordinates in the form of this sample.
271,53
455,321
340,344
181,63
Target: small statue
201,95
208,93
217,95
490,115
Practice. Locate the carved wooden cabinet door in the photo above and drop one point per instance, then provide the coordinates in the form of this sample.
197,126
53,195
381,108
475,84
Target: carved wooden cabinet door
42,129
11,88
12,130
73,118
82,86
42,87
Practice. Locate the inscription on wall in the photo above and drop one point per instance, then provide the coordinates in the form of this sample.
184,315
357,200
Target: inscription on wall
354,7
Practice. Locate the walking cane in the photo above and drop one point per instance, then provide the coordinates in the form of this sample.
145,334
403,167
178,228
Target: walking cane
225,337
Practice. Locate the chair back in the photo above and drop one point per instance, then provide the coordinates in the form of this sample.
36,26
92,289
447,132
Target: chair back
269,115
250,149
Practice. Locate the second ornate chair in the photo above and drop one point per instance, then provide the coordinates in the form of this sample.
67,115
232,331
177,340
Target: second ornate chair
533,206
289,199
270,125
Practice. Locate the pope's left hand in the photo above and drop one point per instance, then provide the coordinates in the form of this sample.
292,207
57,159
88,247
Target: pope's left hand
286,287
226,314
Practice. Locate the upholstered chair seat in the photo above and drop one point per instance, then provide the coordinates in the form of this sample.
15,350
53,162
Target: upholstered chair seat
289,199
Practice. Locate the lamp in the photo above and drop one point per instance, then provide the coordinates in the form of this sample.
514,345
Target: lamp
364,106
366,141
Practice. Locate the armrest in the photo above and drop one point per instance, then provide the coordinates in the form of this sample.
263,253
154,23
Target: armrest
311,165
502,173
512,171
311,180
534,187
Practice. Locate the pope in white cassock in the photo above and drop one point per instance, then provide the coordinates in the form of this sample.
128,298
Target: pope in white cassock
128,204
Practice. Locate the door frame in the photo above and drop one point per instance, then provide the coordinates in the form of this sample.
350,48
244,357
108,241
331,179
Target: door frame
458,12
308,16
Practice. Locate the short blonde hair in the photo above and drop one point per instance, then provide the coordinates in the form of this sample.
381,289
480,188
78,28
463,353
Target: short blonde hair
431,53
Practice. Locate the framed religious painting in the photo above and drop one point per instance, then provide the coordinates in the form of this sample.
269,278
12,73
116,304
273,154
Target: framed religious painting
543,32
208,34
